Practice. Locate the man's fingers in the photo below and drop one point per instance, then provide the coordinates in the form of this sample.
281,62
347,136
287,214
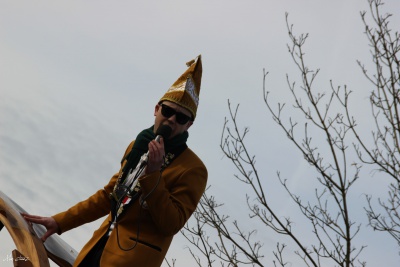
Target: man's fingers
156,150
30,216
33,218
48,222
156,155
47,234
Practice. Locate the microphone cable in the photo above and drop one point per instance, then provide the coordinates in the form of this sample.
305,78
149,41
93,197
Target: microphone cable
141,203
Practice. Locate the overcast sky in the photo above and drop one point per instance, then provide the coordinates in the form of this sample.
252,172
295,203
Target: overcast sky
79,80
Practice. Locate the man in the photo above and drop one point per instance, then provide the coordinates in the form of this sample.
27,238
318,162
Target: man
151,198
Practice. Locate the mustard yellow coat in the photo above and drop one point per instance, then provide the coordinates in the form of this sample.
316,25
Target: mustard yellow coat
166,211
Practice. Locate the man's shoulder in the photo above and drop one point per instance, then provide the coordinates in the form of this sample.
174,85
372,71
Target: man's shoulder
191,157
191,162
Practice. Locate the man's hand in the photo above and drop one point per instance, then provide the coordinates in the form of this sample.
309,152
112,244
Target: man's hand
48,222
156,156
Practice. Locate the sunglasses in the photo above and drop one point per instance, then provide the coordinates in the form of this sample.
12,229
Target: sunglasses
168,112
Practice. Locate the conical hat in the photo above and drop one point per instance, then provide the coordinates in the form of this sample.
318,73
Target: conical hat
186,90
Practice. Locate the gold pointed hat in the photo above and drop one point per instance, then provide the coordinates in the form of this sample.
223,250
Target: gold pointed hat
186,90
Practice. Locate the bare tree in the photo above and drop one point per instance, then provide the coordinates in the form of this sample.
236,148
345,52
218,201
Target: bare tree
222,241
384,153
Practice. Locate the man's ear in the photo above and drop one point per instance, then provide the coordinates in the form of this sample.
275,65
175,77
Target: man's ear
156,108
190,123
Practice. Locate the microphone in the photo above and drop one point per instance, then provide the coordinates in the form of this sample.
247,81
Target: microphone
163,131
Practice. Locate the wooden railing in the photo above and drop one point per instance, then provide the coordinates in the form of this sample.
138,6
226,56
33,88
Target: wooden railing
30,251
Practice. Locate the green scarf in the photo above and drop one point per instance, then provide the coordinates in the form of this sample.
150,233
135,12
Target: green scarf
172,146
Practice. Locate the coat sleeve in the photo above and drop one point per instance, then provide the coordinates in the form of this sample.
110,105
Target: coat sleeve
171,206
93,208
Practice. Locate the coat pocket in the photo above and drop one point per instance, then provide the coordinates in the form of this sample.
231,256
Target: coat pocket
146,244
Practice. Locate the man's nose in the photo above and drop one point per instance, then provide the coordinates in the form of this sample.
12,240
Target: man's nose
172,118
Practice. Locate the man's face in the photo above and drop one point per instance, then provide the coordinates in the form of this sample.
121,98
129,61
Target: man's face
160,119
